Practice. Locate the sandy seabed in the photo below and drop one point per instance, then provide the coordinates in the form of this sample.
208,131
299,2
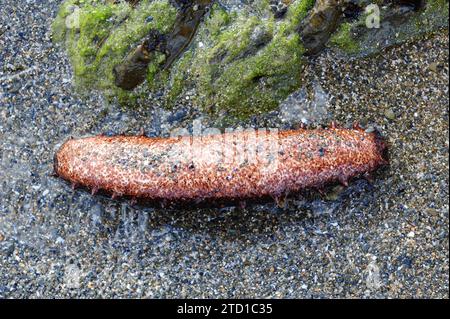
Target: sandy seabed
386,239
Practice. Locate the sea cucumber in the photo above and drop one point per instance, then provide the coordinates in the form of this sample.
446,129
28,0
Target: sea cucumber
233,166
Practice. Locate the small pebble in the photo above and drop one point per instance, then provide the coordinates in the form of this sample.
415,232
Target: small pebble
390,114
434,67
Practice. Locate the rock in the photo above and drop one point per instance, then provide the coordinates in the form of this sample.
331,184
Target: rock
434,67
132,71
186,25
320,24
239,58
390,114
248,60
399,21
104,48
7,249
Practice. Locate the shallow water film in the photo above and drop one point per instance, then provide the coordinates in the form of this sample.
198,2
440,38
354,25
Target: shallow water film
213,66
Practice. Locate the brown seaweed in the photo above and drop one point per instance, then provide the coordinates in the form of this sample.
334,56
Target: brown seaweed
133,69
317,28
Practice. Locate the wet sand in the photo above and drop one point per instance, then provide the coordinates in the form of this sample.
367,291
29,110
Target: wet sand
379,240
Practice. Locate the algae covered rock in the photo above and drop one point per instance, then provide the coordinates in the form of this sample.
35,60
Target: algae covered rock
99,34
379,24
238,57
243,61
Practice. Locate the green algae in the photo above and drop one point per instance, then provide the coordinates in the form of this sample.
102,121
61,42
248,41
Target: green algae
229,73
245,65
343,39
104,34
240,62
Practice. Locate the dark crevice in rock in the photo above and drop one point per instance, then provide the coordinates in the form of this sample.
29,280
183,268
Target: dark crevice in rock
185,28
352,11
279,7
414,4
133,3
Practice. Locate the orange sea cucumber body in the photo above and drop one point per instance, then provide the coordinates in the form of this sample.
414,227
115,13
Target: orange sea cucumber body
230,166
